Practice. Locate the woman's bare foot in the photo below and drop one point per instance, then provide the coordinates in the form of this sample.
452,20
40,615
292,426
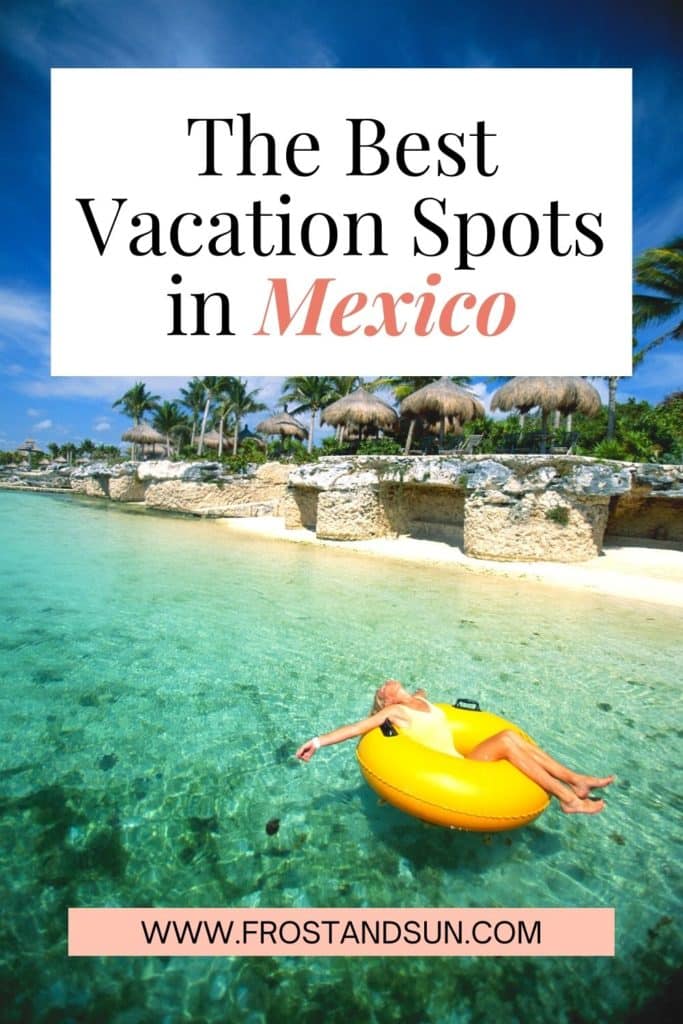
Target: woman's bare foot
584,784
579,806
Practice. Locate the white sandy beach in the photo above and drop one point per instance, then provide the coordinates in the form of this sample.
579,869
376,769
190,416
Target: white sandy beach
636,573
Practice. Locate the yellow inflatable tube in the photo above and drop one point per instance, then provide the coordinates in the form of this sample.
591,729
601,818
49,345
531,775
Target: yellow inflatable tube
474,795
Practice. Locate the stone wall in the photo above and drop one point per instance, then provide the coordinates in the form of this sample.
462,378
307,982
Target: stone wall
300,508
638,515
545,528
118,483
507,507
116,488
353,514
200,489
221,499
433,513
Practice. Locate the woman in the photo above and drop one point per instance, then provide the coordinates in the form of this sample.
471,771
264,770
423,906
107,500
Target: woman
427,723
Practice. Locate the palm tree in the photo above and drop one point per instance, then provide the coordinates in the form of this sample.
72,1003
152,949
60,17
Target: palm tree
342,386
404,386
68,451
137,401
241,402
86,447
53,449
613,382
109,451
168,419
311,394
660,271
193,398
222,414
213,387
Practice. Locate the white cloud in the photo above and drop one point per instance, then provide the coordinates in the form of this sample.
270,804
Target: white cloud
484,391
12,369
25,319
270,389
156,33
34,412
659,226
601,386
102,425
109,388
86,35
43,425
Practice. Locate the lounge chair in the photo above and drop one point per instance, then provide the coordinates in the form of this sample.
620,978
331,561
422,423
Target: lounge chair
563,445
529,443
470,444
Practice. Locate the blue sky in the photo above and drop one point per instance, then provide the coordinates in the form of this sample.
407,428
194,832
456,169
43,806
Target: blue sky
35,35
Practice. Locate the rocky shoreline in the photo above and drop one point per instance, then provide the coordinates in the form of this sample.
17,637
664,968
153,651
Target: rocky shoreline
498,507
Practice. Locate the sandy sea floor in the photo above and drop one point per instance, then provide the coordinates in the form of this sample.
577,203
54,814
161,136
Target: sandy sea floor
634,572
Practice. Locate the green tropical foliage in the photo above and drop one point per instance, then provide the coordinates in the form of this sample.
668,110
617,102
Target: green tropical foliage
193,398
339,387
311,394
68,451
170,421
240,403
250,453
136,402
380,446
660,273
644,432
404,386
213,386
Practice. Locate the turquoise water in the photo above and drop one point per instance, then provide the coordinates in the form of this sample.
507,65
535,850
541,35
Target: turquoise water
157,675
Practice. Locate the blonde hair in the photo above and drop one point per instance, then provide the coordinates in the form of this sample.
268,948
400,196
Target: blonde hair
379,701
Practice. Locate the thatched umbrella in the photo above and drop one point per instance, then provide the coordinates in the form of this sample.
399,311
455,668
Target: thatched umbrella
452,425
143,433
442,401
360,409
550,394
29,447
285,425
212,439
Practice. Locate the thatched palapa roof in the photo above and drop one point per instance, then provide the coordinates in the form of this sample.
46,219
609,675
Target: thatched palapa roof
212,439
443,400
28,446
360,409
564,394
143,433
283,424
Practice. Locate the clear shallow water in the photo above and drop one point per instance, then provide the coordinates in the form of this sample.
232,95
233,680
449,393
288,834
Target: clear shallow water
157,674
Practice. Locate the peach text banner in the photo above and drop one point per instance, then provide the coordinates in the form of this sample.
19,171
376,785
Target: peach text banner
444,931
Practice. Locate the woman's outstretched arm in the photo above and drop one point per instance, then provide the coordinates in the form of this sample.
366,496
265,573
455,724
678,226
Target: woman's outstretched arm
346,732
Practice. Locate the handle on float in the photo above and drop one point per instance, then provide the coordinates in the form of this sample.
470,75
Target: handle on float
464,704
387,728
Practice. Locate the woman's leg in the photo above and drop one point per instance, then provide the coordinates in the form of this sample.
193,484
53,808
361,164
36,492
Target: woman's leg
581,784
509,746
